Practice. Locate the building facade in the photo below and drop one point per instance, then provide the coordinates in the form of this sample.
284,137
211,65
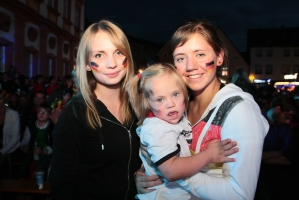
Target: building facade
40,36
274,54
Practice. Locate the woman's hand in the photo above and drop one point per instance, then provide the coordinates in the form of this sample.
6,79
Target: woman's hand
220,150
143,182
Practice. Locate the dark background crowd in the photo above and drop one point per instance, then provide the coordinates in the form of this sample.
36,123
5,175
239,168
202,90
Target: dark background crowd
36,103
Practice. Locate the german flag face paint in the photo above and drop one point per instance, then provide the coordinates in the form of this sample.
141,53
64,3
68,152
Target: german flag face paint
210,65
125,62
94,66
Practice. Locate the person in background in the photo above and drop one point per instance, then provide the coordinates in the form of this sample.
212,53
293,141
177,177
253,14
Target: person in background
95,145
159,98
278,155
29,114
37,143
52,85
9,137
216,111
38,83
240,79
64,91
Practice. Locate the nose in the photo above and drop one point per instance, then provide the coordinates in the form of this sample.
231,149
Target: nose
170,103
110,62
191,64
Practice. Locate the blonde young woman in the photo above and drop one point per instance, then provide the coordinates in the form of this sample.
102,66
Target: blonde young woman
95,149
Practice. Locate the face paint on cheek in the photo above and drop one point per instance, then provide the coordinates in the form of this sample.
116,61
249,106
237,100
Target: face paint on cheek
210,65
125,62
94,66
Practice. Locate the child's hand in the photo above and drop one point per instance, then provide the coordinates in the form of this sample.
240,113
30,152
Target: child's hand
37,151
219,150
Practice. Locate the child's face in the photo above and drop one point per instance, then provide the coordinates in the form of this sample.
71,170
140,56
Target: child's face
42,115
166,99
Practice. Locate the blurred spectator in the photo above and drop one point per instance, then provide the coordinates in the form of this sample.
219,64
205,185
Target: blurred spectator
32,106
38,83
13,102
11,72
8,85
37,143
52,85
64,91
275,173
240,79
9,137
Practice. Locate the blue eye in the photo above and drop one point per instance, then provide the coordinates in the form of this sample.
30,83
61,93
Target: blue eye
98,55
119,53
159,100
176,94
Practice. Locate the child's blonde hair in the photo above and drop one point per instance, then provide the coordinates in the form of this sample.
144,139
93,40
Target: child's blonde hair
138,89
87,82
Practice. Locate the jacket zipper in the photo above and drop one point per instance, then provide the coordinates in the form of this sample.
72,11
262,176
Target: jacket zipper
130,139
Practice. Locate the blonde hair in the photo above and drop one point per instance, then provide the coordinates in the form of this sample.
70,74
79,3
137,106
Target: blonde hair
138,89
85,79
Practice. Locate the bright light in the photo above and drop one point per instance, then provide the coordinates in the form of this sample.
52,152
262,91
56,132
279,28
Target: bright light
290,76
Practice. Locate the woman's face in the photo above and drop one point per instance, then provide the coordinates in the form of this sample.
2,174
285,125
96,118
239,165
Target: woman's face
107,63
197,62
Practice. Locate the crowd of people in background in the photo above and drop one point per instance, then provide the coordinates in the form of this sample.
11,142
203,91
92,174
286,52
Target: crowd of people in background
29,110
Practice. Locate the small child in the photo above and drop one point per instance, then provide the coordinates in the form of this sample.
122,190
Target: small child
159,98
37,143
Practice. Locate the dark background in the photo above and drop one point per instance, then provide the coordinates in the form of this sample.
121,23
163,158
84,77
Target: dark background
155,20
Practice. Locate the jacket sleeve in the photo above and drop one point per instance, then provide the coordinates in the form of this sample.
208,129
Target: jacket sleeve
26,137
11,131
248,127
66,154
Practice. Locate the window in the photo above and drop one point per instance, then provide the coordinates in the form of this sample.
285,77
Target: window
286,69
66,9
77,16
258,69
296,69
269,69
296,52
29,64
64,66
269,53
224,71
286,52
259,52
2,58
51,3
50,66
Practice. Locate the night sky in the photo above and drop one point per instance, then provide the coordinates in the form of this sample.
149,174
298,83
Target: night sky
156,20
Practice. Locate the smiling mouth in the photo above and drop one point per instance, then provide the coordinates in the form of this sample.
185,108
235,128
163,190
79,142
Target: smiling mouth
195,76
112,74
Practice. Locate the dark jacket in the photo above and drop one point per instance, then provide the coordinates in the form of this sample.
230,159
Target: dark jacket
93,164
28,159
